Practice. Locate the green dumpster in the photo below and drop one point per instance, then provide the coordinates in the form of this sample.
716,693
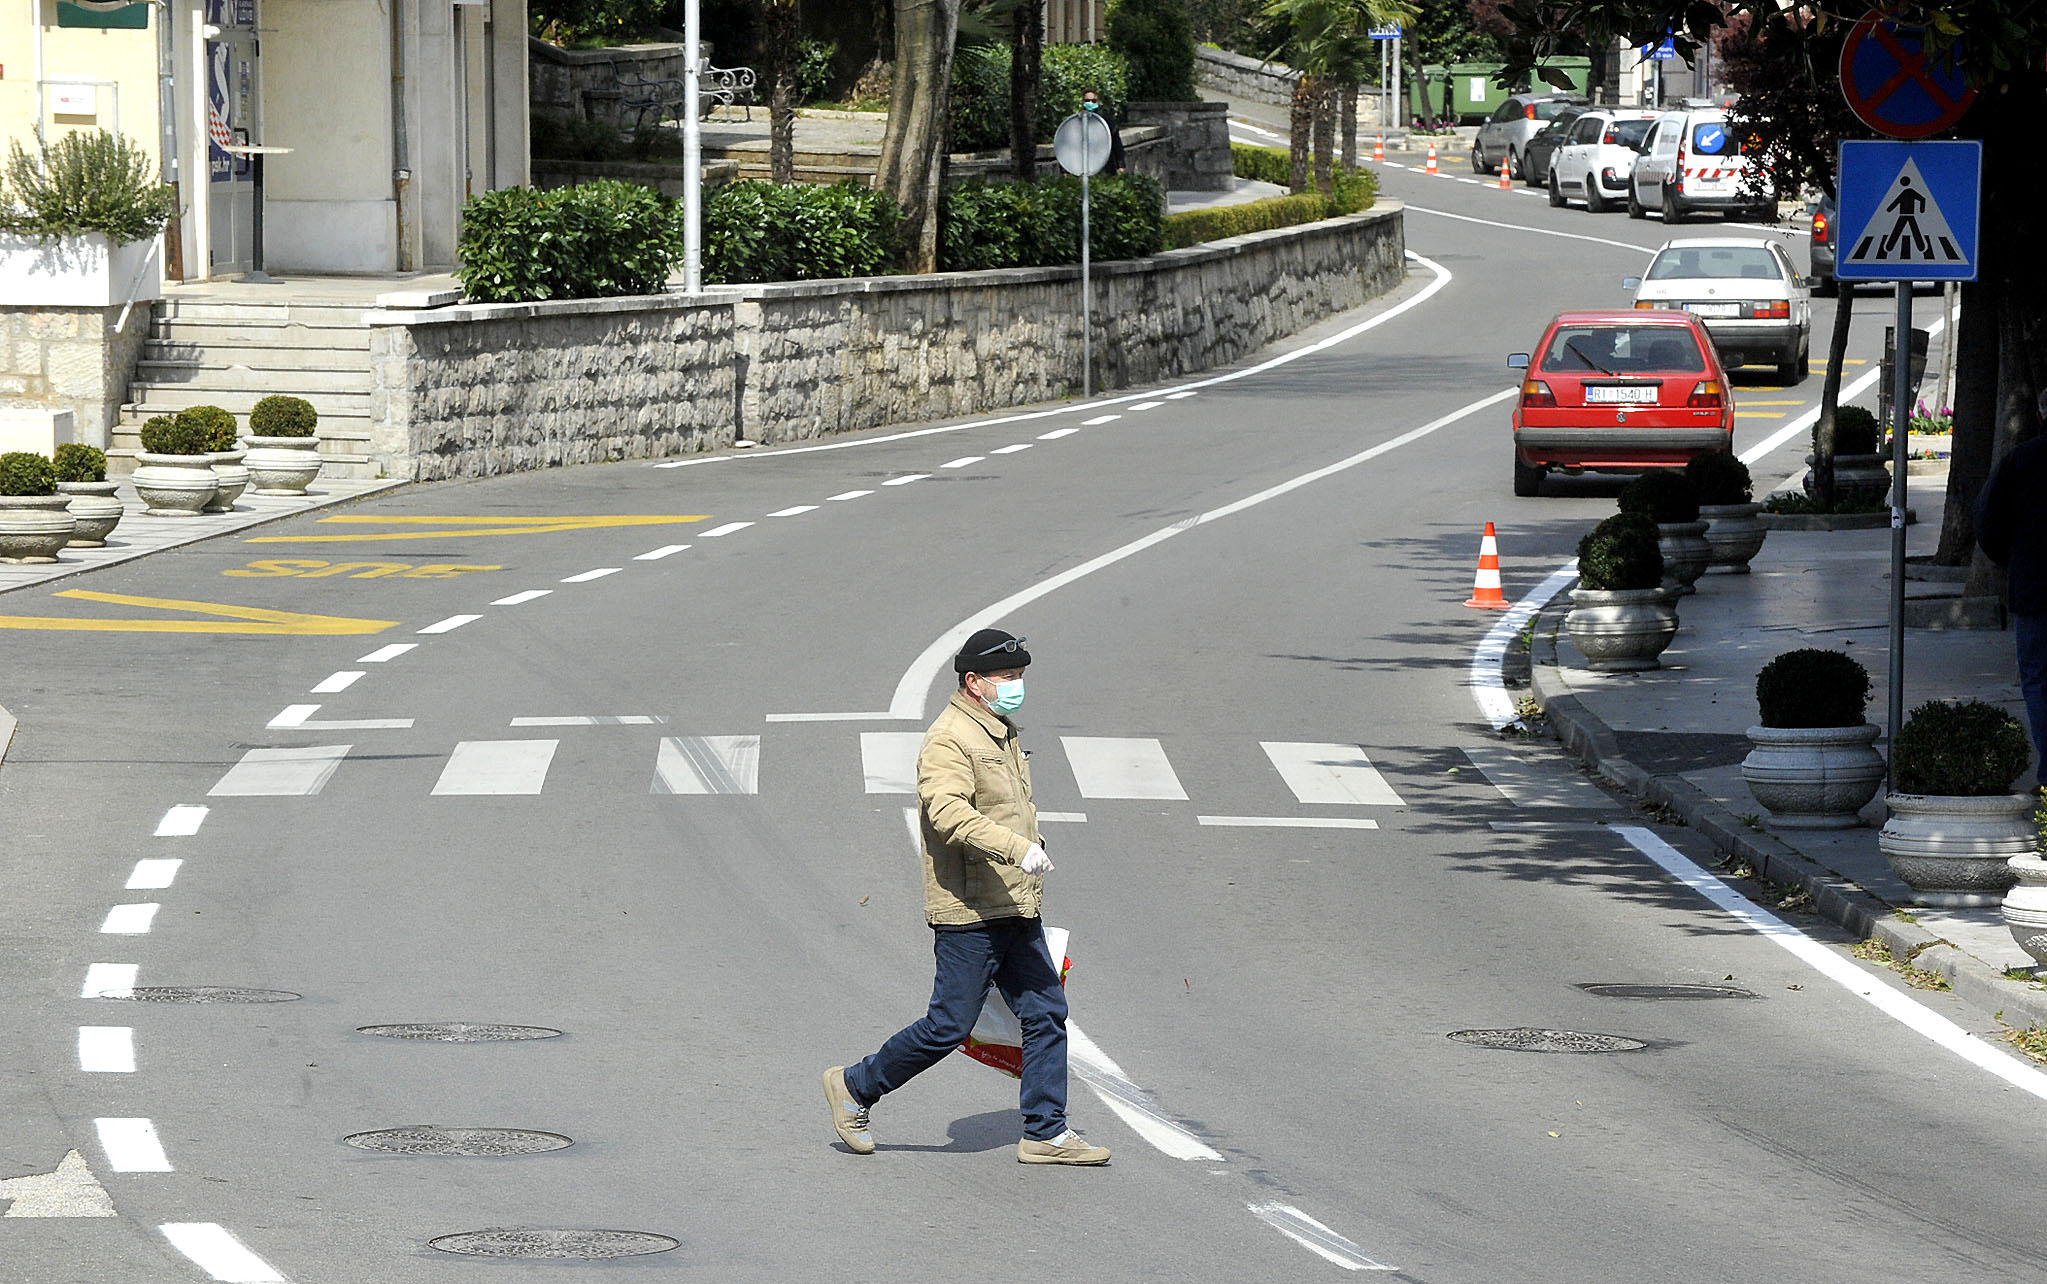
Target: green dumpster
1475,90
1578,69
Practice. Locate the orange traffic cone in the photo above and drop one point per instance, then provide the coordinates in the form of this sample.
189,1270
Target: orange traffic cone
1379,148
1432,160
1506,180
1485,590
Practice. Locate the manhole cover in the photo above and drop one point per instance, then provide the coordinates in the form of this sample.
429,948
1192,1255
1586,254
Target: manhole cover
426,1139
1547,1041
460,1032
1624,990
555,1243
207,994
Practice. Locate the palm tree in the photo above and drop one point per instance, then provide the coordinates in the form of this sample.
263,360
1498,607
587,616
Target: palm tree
1026,50
1329,44
913,149
780,40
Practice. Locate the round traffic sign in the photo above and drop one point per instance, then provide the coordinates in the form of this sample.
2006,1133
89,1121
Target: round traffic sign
1081,143
1895,86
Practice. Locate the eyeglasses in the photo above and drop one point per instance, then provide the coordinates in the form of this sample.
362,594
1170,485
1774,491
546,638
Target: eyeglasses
1014,644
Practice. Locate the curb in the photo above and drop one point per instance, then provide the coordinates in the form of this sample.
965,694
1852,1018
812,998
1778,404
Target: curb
6,733
1589,739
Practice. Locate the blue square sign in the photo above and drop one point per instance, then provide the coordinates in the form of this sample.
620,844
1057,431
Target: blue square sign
1908,211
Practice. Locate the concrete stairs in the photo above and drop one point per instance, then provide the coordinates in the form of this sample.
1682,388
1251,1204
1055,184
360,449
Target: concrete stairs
232,355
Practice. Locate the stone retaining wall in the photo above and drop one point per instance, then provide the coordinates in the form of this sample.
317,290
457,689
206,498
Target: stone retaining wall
1235,76
584,82
1196,154
71,359
484,389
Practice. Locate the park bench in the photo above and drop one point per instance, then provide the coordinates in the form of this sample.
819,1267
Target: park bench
643,96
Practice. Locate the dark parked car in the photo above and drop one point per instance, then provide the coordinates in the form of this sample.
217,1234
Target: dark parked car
1821,247
1542,148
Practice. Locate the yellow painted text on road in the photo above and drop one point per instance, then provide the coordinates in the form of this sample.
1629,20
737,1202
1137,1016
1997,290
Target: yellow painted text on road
307,569
228,619
467,527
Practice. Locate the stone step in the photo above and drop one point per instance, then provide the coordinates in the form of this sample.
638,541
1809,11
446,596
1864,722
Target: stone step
226,334
171,398
263,314
231,376
253,356
824,174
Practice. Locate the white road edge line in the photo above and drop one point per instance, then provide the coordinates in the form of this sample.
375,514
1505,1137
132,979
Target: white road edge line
1836,967
217,1252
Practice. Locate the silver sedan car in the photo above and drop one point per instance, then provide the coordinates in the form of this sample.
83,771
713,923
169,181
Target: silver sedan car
1745,290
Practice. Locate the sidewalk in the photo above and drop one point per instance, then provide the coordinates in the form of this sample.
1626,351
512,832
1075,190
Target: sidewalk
1676,735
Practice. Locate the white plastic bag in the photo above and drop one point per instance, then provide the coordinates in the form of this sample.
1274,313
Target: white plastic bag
997,1039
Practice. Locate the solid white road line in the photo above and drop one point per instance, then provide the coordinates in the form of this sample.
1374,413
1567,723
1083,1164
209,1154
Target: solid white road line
1546,782
1836,966
728,528
387,653
1315,1237
106,1049
520,599
1488,688
1131,1103
963,461
597,574
109,981
1287,822
280,773
1330,773
450,624
152,873
916,682
794,511
877,716
1121,767
597,720
181,821
1057,433
1538,231
708,765
888,760
129,920
496,767
904,481
217,1252
335,682
131,1146
1098,420
1011,450
656,554
842,496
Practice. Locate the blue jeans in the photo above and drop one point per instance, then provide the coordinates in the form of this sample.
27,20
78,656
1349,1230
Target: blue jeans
2032,636
1009,954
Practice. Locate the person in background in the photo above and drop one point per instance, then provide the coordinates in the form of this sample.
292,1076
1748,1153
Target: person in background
2011,529
1091,102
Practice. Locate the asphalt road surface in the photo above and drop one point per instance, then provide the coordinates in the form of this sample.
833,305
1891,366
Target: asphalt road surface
641,779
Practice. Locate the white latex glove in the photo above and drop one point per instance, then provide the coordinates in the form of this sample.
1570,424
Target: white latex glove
1035,861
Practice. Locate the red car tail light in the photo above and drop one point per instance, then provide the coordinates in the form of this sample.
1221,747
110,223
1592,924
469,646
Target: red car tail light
1778,311
1647,303
1820,231
1705,394
1531,111
1536,394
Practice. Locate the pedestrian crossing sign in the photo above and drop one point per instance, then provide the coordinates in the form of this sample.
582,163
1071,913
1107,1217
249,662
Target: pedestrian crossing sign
1908,211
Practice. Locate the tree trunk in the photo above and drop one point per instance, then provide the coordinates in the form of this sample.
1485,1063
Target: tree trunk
913,150
1830,400
1347,122
779,40
1324,133
1026,50
1300,124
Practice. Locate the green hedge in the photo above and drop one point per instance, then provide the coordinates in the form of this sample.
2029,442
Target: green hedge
980,90
756,230
520,245
1193,227
1354,189
1037,224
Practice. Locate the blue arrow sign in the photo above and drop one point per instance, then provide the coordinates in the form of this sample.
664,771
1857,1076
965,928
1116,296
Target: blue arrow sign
1908,211
1384,33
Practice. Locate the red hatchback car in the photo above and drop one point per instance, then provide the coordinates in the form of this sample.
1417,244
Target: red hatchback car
1619,392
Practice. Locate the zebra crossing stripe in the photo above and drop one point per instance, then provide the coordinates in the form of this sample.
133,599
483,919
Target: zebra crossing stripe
280,773
1122,767
888,759
708,765
496,767
1330,773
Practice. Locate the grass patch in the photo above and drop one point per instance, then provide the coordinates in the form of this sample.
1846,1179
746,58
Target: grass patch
1875,951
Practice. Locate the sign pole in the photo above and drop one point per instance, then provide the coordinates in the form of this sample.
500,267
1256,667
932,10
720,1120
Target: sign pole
692,153
1901,396
1087,298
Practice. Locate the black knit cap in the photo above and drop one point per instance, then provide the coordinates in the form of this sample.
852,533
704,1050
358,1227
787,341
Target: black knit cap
985,652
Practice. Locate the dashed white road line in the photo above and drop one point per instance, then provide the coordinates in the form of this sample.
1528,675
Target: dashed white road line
129,920
1057,433
1147,405
214,1250
904,481
450,624
519,599
300,717
153,873
384,654
587,576
1181,396
338,682
1099,420
728,528
656,554
106,1049
1539,231
131,1146
1011,450
842,496
109,981
963,461
795,510
1287,822
181,821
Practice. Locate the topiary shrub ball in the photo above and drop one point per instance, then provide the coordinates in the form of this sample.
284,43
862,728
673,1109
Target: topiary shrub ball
77,462
1966,750
216,425
1621,553
173,435
1720,478
282,416
1664,496
1856,431
23,472
1812,687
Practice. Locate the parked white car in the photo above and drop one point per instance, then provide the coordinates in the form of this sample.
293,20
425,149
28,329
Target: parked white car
1692,162
1745,290
1597,157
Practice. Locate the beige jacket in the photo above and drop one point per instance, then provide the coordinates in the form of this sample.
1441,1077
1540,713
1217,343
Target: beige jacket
978,821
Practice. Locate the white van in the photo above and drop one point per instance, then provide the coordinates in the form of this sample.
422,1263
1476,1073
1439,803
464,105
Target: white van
1693,162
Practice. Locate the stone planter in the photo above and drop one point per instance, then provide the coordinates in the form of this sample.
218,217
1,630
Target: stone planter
1957,851
1857,475
230,479
1621,630
2025,905
1735,534
78,271
1685,554
34,527
94,511
174,485
282,465
1814,777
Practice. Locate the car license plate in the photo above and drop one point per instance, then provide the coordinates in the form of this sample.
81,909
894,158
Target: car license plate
1714,309
1632,394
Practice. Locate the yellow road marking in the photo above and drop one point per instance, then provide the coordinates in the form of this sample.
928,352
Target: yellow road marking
1758,414
468,526
1746,402
311,569
254,619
